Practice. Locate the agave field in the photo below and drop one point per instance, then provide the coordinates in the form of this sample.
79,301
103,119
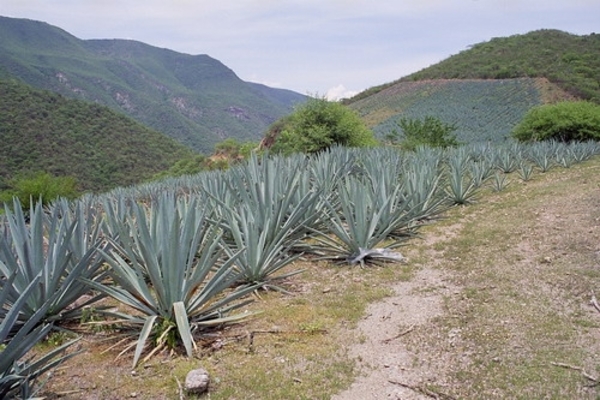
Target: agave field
482,110
182,256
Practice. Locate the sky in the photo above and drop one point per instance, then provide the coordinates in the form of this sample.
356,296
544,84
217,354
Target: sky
332,48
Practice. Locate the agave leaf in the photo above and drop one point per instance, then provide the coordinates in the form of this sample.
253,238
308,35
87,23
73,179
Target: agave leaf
171,270
183,326
143,338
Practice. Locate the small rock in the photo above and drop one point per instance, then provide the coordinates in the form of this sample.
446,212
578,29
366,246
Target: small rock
327,290
197,381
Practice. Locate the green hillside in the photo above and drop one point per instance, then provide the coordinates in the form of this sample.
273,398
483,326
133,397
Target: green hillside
482,110
102,149
192,98
570,61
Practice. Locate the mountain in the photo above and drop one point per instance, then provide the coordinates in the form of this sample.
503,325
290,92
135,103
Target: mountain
487,89
193,98
44,131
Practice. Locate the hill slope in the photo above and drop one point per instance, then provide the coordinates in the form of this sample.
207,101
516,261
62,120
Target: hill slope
482,110
102,149
192,98
570,61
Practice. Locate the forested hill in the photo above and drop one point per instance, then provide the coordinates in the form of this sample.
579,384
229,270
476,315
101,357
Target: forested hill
570,61
102,149
193,98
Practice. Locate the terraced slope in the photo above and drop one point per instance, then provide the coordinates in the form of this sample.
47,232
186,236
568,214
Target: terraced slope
483,110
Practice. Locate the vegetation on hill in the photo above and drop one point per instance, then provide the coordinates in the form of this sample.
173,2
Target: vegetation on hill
570,61
195,99
101,149
481,110
565,122
430,132
317,125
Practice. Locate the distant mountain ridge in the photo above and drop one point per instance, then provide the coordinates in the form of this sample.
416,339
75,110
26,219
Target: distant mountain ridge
193,98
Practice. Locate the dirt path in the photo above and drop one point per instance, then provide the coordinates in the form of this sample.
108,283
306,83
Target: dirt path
500,300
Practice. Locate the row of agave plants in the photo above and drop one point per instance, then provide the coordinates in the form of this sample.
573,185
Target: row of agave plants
183,255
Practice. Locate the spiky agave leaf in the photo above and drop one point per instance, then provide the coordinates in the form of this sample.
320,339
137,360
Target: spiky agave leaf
269,217
160,272
18,375
45,246
364,220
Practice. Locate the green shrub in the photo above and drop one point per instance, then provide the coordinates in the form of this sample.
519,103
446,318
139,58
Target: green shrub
317,125
430,132
40,186
565,122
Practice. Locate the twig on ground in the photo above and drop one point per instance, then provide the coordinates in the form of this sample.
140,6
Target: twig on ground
181,397
406,332
424,390
595,381
595,302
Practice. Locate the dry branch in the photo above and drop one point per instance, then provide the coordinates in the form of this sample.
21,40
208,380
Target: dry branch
595,381
423,390
406,332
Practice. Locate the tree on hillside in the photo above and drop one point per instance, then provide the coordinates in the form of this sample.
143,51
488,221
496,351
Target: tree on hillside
317,125
430,131
566,121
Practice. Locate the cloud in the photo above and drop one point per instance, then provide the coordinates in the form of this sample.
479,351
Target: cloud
339,92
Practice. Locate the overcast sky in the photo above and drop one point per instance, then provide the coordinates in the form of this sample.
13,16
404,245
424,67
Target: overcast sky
318,47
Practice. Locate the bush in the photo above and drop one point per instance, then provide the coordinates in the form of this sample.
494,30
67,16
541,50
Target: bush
317,125
564,122
40,186
430,132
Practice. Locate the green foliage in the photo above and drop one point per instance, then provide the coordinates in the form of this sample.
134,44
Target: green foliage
564,122
101,149
227,153
187,166
42,187
571,61
319,124
430,131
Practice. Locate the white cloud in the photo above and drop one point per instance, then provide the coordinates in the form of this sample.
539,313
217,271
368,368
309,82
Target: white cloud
339,92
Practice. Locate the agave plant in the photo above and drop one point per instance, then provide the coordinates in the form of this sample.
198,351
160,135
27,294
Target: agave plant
168,266
422,186
274,209
525,171
461,185
18,374
362,221
52,247
542,155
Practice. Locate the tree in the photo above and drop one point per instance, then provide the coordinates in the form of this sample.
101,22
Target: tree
317,125
40,186
566,121
430,131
